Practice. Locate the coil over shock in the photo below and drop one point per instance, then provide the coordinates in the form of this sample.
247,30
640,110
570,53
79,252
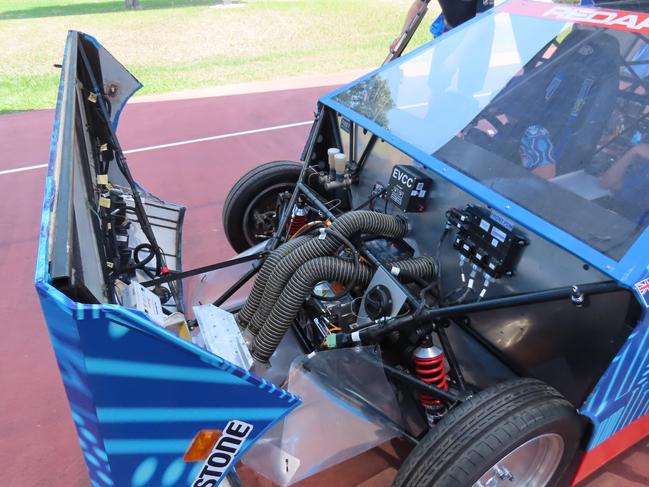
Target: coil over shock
430,368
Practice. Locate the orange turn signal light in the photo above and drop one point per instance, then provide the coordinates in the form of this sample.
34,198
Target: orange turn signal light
201,445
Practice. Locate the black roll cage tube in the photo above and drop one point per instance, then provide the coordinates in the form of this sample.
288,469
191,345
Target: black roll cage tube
371,334
575,293
271,244
259,256
314,199
428,315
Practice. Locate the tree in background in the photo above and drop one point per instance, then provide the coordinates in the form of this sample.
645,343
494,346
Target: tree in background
132,3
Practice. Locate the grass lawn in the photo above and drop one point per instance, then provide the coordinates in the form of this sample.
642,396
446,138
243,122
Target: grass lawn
172,45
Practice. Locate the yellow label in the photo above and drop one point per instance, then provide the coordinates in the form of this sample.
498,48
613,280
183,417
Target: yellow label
102,178
110,265
103,147
183,332
92,98
104,202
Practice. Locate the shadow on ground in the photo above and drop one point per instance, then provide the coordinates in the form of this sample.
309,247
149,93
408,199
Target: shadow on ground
96,8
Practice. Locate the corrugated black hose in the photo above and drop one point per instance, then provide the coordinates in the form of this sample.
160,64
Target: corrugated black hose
244,316
348,225
308,275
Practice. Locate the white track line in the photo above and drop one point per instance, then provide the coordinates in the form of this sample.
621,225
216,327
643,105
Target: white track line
176,144
22,169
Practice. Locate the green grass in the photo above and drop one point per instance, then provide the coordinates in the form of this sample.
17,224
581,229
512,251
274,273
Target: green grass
29,9
171,45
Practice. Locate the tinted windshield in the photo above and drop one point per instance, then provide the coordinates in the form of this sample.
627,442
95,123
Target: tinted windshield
568,137
558,114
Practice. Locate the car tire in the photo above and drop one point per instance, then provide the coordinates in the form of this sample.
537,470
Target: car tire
255,190
473,442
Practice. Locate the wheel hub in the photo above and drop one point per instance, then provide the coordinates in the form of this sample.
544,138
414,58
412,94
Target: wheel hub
532,464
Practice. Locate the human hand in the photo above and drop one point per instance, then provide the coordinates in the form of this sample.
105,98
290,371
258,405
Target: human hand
395,44
612,178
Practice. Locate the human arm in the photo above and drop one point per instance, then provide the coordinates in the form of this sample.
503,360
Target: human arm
612,178
410,16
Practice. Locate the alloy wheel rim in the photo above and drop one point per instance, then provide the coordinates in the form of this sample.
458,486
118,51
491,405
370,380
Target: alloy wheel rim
531,464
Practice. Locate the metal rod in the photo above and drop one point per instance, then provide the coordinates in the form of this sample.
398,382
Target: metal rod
370,334
352,143
405,37
176,276
422,386
313,137
335,130
237,285
450,356
366,153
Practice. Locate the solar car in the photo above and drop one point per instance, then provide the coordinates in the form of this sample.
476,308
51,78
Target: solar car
459,259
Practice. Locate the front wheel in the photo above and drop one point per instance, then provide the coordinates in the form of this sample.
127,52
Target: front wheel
249,212
517,433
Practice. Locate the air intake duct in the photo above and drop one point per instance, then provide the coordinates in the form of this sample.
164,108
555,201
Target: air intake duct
348,225
302,283
248,310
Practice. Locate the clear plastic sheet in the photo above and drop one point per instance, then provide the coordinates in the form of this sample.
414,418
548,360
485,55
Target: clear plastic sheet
349,407
206,288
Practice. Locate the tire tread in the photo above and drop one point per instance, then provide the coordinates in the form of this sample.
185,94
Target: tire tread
254,178
470,433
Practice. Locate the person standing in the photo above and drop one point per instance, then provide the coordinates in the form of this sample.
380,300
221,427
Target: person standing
454,13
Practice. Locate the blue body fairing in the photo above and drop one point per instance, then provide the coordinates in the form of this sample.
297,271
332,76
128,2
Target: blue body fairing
139,394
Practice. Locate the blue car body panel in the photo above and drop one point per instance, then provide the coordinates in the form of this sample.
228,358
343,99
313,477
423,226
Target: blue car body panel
139,394
622,394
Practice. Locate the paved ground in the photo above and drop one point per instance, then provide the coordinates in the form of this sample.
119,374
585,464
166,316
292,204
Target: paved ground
38,445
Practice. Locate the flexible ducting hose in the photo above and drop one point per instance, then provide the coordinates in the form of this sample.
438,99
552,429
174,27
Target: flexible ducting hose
296,292
418,269
301,284
244,316
348,225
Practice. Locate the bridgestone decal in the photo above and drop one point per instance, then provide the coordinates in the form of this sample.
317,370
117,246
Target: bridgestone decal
223,454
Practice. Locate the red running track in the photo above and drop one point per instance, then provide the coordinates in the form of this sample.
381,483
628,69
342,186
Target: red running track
38,445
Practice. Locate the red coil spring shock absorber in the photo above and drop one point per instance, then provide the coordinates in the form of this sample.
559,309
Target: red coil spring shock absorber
429,367
299,218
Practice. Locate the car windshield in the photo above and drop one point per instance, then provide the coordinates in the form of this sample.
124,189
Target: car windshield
558,118
568,137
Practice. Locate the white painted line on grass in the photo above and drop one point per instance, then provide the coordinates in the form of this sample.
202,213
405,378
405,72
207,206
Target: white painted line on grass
179,143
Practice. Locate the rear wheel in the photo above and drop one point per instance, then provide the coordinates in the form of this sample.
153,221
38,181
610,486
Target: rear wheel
249,212
518,433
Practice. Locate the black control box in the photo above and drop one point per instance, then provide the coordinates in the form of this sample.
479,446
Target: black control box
408,188
389,250
486,239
